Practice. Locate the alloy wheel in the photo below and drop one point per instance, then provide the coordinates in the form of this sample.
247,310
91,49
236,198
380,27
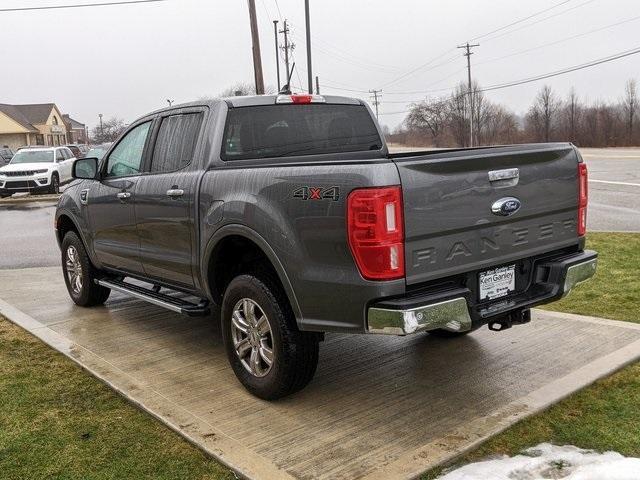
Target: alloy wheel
74,270
252,337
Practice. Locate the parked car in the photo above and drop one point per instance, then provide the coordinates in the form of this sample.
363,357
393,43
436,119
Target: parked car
98,151
79,151
289,214
6,154
36,170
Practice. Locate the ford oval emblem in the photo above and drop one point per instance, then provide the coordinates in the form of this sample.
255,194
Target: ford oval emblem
505,206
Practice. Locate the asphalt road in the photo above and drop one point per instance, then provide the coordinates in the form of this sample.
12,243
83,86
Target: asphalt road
27,238
614,189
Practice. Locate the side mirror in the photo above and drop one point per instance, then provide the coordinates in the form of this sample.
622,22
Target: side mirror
86,168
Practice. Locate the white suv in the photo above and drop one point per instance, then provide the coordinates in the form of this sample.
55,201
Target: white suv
35,170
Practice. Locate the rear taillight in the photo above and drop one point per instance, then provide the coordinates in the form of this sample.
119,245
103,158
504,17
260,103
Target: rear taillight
376,232
583,197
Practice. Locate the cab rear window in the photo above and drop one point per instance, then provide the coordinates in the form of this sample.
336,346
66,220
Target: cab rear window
291,130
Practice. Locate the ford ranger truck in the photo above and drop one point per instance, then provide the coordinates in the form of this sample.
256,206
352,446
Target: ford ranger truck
285,217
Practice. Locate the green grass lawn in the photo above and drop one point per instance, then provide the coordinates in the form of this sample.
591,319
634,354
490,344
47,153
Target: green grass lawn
614,291
57,421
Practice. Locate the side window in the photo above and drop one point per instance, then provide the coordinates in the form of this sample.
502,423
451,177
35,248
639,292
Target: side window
66,153
176,142
126,158
59,155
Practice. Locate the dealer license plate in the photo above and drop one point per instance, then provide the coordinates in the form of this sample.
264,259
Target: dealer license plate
498,282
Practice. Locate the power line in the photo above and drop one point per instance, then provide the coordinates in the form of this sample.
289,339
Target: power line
592,63
278,8
345,54
420,67
520,20
538,21
556,42
411,72
81,5
513,83
562,40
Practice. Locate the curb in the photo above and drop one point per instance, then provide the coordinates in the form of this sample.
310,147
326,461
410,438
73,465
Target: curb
29,199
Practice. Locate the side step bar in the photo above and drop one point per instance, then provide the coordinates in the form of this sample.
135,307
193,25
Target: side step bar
162,300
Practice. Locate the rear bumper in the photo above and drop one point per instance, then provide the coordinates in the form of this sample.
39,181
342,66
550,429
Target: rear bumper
454,309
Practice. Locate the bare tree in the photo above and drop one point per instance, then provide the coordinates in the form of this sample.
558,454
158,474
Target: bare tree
482,111
571,116
500,126
543,112
430,115
458,115
594,124
630,108
109,131
239,89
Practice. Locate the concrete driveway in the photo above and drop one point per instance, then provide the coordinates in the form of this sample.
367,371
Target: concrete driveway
379,406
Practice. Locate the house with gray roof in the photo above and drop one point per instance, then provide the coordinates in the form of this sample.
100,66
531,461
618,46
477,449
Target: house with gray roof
32,124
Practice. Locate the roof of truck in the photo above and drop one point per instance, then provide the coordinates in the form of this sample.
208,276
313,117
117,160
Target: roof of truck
256,100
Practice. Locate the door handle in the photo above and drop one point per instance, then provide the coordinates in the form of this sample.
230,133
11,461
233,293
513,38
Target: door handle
175,192
123,195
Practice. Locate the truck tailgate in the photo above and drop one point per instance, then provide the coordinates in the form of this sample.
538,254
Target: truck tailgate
448,198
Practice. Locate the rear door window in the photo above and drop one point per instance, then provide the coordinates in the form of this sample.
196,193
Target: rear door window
287,130
176,142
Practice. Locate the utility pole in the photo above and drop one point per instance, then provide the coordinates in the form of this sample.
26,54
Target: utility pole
287,47
255,39
468,54
101,127
376,100
170,102
275,34
308,25
317,86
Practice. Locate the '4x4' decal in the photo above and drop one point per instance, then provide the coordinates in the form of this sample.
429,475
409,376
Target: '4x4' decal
317,193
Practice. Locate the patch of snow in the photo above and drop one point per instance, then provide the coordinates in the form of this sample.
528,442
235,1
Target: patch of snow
546,461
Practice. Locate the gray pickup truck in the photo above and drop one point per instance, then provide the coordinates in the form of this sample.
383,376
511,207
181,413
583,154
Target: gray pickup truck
289,214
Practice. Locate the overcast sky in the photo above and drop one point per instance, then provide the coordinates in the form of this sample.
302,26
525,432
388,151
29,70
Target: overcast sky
127,60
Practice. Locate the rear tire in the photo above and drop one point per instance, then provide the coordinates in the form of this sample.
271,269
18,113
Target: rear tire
267,352
80,274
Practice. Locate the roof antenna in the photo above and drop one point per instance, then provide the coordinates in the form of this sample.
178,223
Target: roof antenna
286,88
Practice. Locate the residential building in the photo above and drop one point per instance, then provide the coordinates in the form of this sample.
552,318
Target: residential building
33,124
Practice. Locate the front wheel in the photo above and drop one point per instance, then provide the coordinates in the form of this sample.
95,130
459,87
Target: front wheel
268,354
55,184
80,274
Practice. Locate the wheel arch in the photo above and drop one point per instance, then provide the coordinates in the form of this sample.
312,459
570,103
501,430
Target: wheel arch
215,249
65,223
